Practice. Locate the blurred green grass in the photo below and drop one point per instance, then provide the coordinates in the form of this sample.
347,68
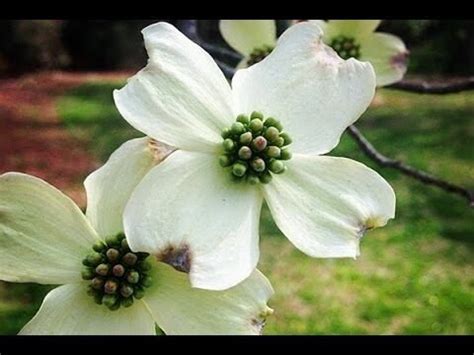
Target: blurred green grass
415,276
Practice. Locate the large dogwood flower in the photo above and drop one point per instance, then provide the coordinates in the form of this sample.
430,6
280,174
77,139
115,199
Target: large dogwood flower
254,39
45,238
199,210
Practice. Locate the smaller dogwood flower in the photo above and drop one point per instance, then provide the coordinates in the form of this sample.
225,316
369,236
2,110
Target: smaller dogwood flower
261,138
255,39
107,288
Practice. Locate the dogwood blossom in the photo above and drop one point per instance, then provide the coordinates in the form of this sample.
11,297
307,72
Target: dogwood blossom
261,139
254,39
107,289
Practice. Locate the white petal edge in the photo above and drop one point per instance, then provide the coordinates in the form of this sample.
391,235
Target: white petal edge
324,205
43,234
68,310
388,54
246,35
181,97
109,187
189,203
180,309
304,84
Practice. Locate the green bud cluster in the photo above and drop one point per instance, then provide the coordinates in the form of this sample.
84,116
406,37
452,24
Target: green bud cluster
255,147
346,47
117,275
259,54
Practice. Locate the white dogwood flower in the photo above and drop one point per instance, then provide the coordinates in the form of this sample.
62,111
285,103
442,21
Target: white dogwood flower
106,287
255,39
233,151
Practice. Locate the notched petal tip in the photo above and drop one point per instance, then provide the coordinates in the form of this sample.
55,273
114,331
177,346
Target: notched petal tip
160,150
375,222
260,320
308,31
327,56
179,257
371,223
326,52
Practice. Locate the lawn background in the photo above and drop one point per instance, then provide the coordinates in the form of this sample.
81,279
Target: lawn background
415,276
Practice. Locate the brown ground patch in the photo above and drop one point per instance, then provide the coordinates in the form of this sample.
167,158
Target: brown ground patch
33,140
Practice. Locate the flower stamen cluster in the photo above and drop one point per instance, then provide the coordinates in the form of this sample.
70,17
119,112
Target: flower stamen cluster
254,148
117,275
346,47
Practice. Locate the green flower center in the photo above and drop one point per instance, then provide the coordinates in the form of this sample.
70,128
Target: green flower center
259,54
346,47
117,275
254,148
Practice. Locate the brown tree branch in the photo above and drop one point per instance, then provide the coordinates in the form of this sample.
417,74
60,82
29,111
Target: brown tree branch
424,87
408,170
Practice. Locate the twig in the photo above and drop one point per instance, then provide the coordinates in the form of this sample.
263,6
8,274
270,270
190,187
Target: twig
408,170
423,87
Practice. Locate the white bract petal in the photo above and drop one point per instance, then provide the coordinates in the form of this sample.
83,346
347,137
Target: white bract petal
43,235
181,97
68,310
180,309
109,188
388,54
247,35
325,204
189,213
350,28
304,84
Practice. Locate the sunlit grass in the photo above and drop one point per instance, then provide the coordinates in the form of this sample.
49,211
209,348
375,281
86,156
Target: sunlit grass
413,277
